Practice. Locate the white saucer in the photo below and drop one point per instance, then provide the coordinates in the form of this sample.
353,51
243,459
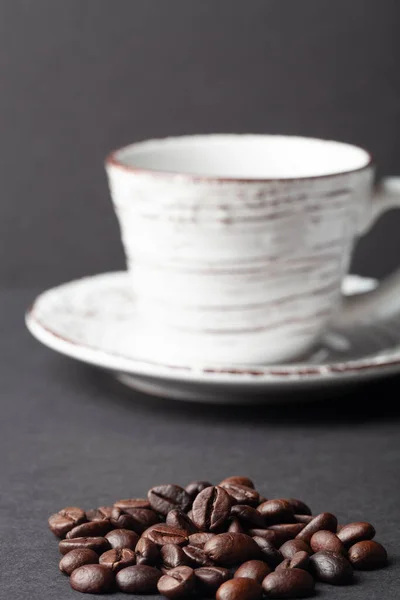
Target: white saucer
93,320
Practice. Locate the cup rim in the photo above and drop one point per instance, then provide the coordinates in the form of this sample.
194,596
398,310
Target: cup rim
112,160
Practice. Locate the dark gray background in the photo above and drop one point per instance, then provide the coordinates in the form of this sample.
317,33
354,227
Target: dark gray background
79,77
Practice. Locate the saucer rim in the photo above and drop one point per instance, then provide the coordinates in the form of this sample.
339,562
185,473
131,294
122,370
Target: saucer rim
271,374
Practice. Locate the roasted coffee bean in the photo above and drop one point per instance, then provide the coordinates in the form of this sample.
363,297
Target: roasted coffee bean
211,508
77,558
288,583
92,579
164,498
287,531
195,487
261,535
240,589
241,494
132,503
269,553
331,567
323,521
147,552
291,547
285,564
303,518
196,557
276,538
300,560
178,583
121,519
66,519
99,514
253,569
177,518
122,538
172,556
143,518
199,539
299,507
162,534
209,579
356,532
247,515
98,544
117,559
276,511
241,480
327,540
91,529
367,555
235,526
136,519
138,579
229,549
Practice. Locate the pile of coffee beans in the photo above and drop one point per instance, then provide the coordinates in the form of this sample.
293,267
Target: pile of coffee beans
225,541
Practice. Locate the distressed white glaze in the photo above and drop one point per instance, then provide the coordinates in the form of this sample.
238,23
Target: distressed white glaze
242,270
95,320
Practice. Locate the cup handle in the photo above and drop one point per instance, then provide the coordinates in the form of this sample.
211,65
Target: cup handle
384,301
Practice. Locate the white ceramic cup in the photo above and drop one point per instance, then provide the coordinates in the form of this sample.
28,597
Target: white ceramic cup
237,245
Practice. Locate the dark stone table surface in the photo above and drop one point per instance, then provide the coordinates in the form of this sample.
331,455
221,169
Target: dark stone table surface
71,435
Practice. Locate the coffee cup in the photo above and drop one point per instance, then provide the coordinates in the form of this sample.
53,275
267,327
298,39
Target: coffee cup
237,245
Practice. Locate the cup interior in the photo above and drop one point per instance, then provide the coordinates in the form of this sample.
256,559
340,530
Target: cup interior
231,156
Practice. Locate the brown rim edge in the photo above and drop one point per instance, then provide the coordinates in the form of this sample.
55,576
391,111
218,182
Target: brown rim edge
112,160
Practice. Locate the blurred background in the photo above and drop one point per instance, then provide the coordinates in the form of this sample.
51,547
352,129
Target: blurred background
80,77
